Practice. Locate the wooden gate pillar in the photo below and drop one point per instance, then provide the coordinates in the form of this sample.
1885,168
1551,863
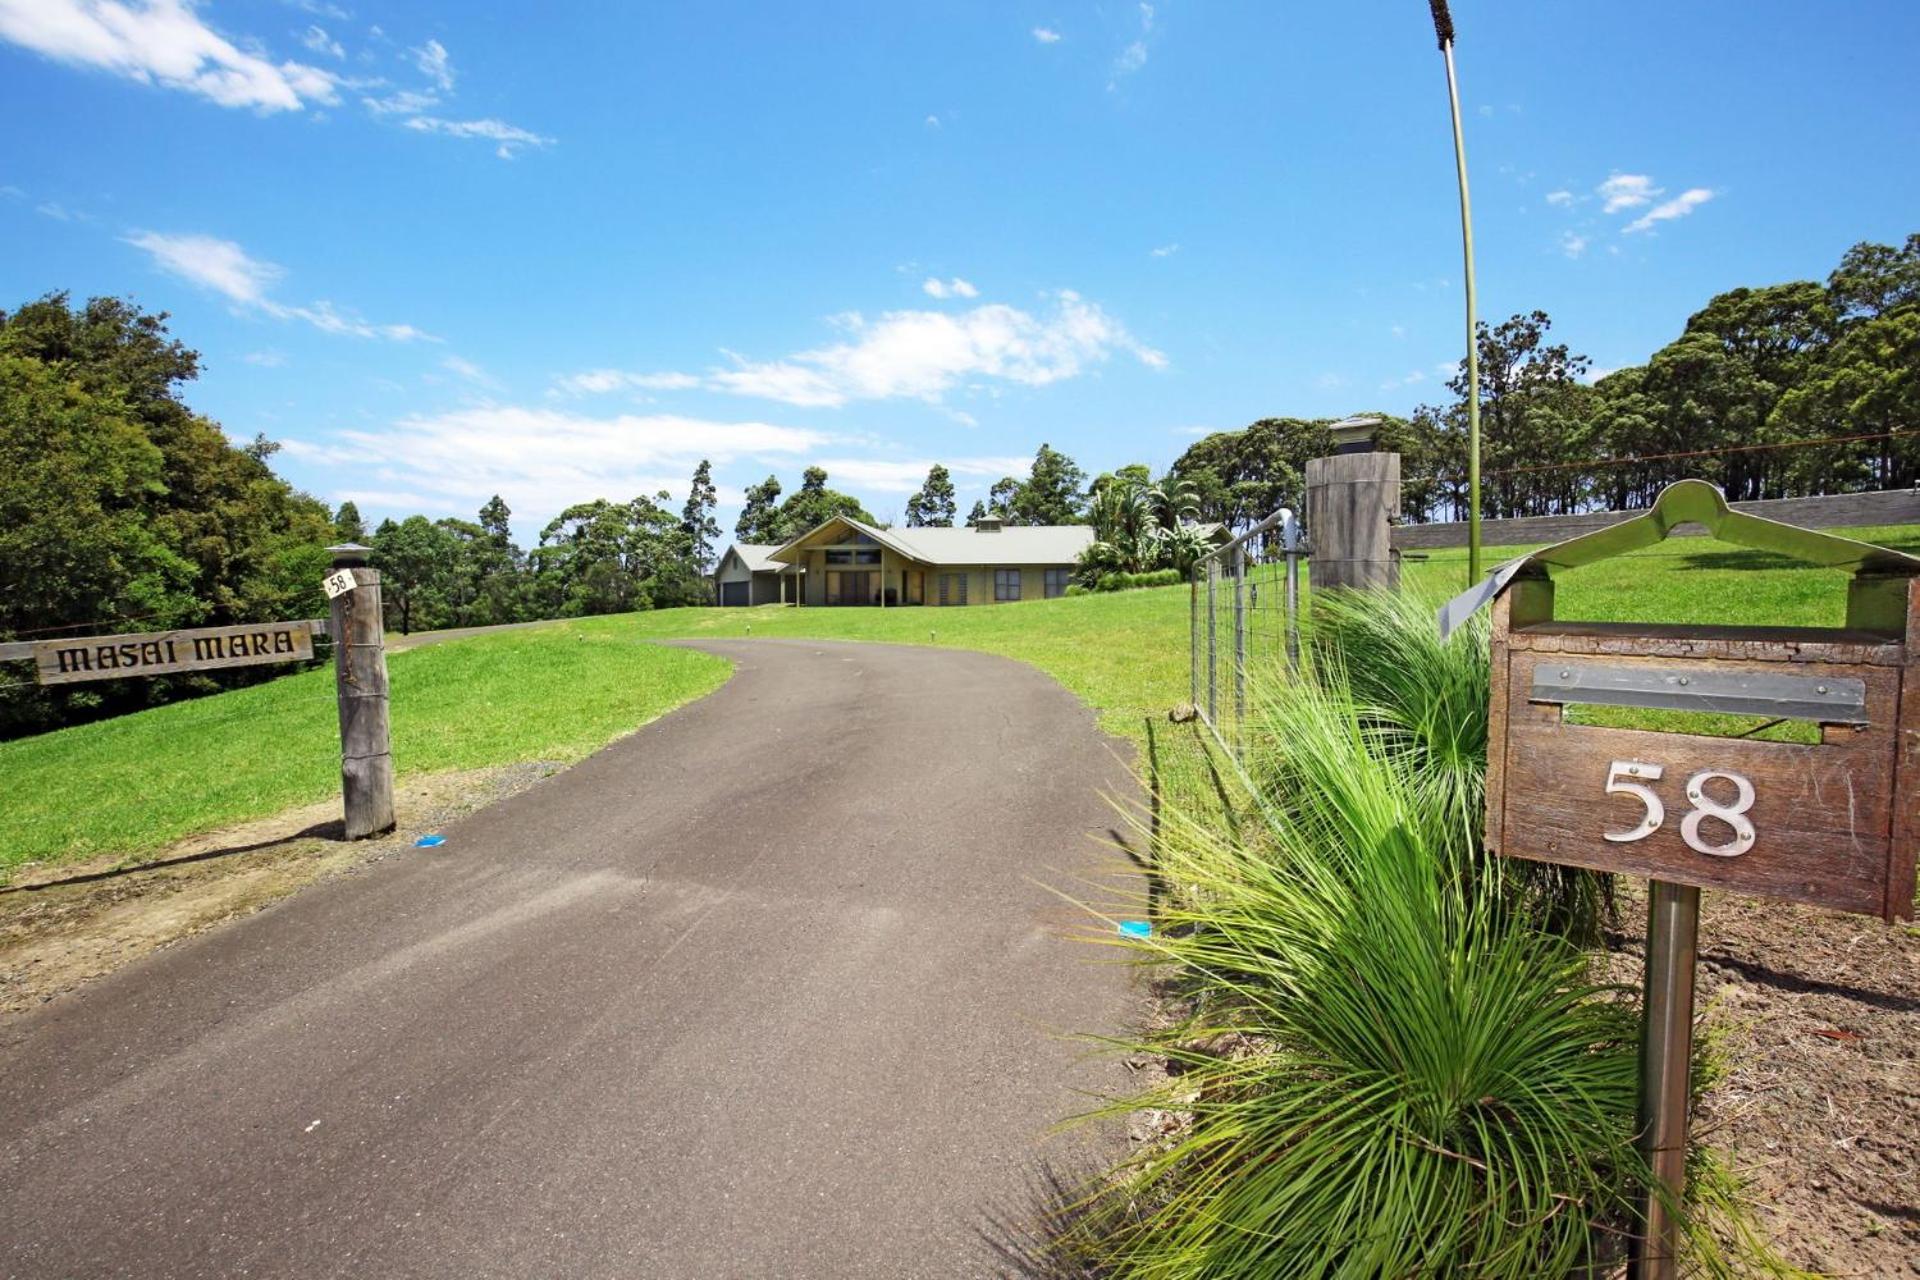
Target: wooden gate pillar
1352,501
360,685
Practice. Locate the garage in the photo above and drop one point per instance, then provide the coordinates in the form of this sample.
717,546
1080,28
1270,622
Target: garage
734,593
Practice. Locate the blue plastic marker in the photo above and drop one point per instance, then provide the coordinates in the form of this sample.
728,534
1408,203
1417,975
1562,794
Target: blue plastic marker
1137,928
427,842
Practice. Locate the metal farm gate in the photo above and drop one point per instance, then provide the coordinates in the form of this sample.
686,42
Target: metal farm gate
1245,618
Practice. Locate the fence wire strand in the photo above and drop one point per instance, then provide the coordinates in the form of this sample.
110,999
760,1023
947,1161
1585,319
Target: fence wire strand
1245,621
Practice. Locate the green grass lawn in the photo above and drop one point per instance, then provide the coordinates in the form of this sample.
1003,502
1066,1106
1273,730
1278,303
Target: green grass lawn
1123,653
127,786
130,785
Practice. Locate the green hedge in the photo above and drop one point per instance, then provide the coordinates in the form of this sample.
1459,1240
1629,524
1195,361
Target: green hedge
1129,581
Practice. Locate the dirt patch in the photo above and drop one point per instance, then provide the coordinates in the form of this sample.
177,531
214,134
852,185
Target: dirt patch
1817,1018
66,925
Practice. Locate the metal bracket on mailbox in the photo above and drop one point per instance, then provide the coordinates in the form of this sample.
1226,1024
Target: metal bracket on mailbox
1827,699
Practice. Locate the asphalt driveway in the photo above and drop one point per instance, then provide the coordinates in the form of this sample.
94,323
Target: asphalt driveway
771,988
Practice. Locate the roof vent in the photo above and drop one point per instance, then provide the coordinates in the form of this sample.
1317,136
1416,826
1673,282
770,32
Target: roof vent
987,524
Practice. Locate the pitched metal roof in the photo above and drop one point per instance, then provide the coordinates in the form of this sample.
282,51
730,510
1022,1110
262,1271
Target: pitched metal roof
1047,544
1012,544
1683,502
757,557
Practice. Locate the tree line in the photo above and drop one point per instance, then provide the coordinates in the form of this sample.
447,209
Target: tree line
1775,391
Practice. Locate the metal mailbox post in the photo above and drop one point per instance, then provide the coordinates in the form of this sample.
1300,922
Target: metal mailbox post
1833,823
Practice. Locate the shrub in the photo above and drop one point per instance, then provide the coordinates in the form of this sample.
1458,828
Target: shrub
1130,581
1385,1074
1427,697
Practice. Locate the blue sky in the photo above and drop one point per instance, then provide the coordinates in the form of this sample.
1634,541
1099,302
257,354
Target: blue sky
564,251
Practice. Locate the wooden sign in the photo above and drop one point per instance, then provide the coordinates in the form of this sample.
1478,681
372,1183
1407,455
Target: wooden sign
1831,823
160,653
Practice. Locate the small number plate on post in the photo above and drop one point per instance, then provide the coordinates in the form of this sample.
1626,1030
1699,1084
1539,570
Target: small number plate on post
338,583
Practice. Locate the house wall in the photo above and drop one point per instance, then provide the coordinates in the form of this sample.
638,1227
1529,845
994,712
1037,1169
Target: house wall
766,588
730,570
979,578
1033,581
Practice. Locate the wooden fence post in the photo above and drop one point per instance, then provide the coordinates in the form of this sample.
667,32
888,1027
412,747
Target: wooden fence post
360,685
1352,501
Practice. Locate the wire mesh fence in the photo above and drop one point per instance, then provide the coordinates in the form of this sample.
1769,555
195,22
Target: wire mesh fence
1245,618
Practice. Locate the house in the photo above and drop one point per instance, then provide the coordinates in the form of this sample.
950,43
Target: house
745,575
847,562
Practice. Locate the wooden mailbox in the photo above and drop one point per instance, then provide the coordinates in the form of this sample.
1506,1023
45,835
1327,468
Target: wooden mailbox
1832,823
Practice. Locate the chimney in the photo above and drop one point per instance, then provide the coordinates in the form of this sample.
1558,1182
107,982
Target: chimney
987,524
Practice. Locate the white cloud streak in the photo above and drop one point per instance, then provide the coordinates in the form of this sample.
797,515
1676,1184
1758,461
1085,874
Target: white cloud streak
954,288
1627,191
165,43
1678,207
1046,35
924,354
543,460
509,137
228,270
316,40
433,62
605,381
918,355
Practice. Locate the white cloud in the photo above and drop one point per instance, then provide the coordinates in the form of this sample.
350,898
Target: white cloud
432,60
470,371
317,40
1627,191
162,42
543,460
1134,56
402,102
923,354
603,381
1165,251
1573,244
1561,197
212,263
320,9
228,270
508,136
954,288
1413,378
1046,35
265,359
1678,207
933,122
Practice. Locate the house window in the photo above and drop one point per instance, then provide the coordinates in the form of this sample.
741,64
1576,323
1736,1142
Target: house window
953,588
852,555
1006,584
1057,582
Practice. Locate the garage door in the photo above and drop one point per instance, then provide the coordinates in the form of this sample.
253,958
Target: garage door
734,592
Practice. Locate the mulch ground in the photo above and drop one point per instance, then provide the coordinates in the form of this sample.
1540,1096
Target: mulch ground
1817,1016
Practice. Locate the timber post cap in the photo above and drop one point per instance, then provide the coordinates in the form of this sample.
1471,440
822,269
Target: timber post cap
349,554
